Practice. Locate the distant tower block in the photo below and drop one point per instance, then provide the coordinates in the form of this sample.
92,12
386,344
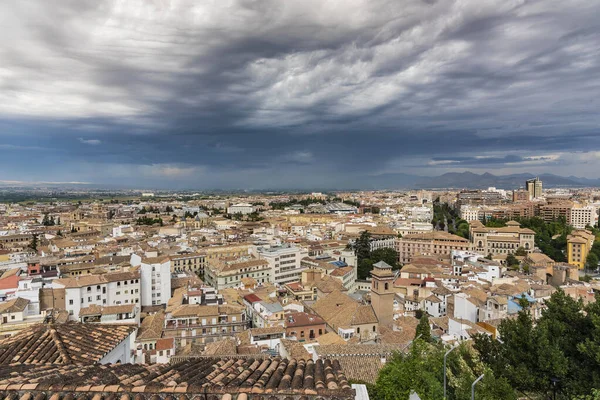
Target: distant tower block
382,293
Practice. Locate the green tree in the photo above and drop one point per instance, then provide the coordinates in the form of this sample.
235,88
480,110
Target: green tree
591,262
387,255
34,243
424,329
421,370
521,252
511,261
563,344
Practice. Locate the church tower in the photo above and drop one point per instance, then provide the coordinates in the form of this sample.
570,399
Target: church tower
382,293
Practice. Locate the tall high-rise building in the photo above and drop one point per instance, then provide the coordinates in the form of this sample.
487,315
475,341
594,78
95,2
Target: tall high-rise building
534,187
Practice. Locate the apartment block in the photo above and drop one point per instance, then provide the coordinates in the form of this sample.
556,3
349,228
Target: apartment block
284,261
229,274
579,244
155,277
583,216
115,288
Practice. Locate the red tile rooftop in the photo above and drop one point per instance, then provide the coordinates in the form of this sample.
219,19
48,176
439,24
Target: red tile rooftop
204,377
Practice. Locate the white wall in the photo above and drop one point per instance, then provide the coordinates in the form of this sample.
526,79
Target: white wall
120,353
464,309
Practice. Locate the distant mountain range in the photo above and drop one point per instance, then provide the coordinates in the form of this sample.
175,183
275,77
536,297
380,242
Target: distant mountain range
470,180
450,180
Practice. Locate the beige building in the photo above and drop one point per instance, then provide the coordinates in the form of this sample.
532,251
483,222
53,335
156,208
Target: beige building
534,187
192,323
504,240
347,317
579,244
431,243
229,274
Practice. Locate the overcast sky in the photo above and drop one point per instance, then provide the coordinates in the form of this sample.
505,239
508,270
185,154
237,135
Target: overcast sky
311,93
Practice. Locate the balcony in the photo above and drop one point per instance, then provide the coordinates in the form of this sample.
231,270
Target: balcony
172,325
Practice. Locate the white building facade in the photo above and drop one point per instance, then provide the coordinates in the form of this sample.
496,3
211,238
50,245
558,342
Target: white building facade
155,274
110,289
284,262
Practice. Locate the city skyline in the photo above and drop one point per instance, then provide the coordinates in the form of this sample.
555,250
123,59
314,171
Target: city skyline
280,95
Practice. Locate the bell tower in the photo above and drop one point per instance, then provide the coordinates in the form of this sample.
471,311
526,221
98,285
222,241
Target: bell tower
382,293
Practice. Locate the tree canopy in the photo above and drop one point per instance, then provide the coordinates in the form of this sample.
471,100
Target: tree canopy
366,258
564,345
422,370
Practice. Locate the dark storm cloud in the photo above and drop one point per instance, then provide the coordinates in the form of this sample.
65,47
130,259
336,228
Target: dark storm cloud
293,91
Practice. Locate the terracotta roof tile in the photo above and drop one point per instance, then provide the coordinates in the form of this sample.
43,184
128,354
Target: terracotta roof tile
210,378
62,343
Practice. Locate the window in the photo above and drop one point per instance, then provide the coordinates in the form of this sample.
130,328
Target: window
71,302
90,298
373,328
301,333
89,288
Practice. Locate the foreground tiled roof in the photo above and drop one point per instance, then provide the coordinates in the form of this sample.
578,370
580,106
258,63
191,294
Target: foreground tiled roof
360,362
206,378
62,343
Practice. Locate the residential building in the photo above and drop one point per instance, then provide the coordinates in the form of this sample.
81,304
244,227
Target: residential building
521,195
155,277
110,289
124,314
302,326
196,324
347,317
222,274
267,314
284,261
469,213
195,262
579,244
556,209
583,216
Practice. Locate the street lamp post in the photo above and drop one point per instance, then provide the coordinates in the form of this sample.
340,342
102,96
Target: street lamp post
554,383
473,386
411,342
445,356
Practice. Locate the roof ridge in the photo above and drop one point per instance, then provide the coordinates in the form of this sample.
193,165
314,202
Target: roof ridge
60,346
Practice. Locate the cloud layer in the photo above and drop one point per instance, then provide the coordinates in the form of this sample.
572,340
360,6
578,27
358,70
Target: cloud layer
239,93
